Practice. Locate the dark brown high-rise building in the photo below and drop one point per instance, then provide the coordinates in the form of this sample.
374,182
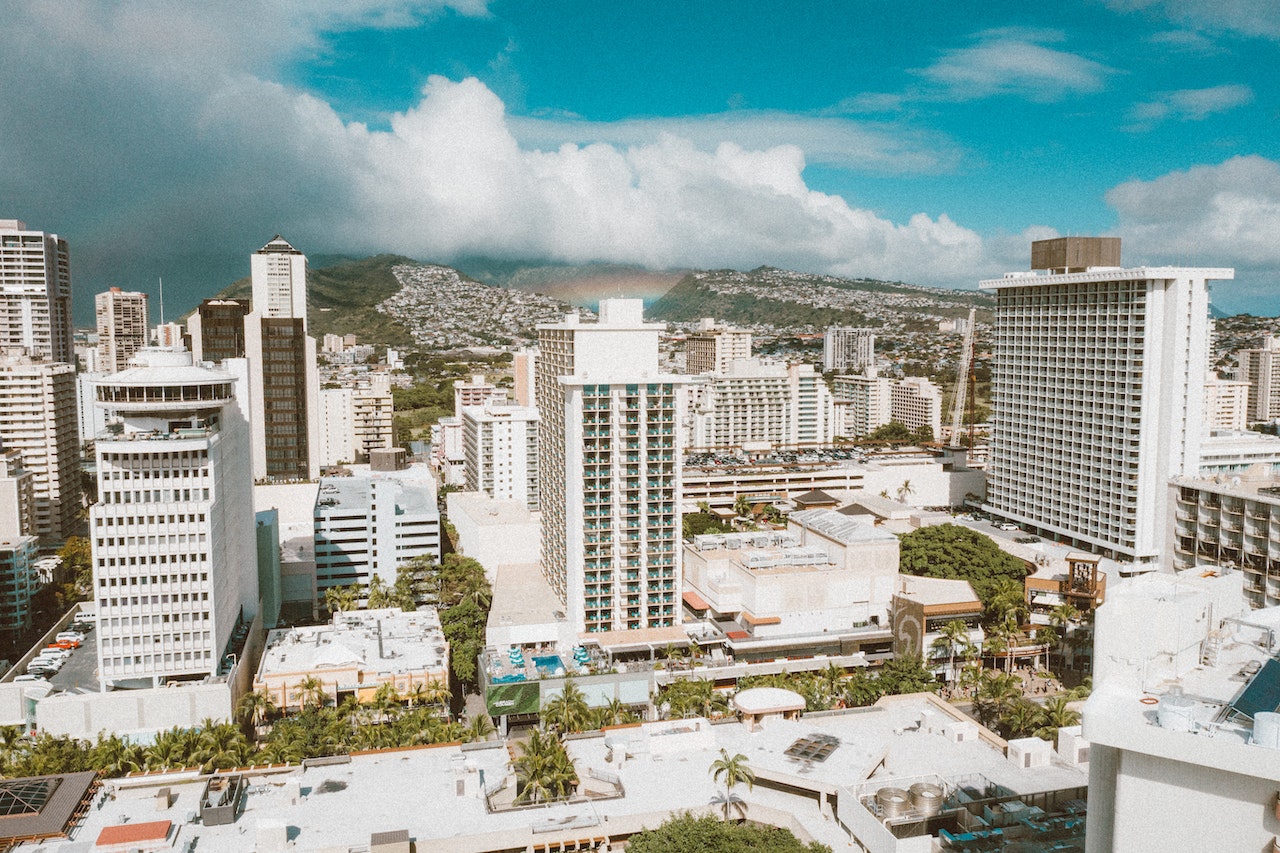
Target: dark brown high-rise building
217,329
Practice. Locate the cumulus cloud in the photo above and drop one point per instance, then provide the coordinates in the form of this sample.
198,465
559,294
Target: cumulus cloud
157,136
1014,62
1222,215
1190,104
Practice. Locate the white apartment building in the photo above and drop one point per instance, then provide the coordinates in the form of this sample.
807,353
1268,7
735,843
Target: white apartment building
1226,403
122,327
175,567
761,404
448,453
354,421
474,393
35,292
17,496
916,402
845,348
501,447
711,348
1232,522
1227,452
370,524
610,460
167,335
863,402
279,275
1097,397
38,419
1261,369
90,419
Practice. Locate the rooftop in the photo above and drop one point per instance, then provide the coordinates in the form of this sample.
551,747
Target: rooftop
842,528
384,641
435,793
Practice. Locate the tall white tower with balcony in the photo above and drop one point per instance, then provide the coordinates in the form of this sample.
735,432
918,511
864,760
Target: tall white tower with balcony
174,558
1098,394
610,470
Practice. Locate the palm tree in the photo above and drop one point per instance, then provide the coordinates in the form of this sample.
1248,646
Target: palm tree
543,770
342,598
1057,713
114,756
480,727
378,595
310,691
221,745
386,701
255,708
742,506
734,769
905,491
1022,718
951,636
567,712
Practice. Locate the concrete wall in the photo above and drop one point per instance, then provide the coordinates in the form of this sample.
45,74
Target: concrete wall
135,713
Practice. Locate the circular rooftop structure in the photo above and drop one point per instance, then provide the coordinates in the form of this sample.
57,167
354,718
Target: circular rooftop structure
762,701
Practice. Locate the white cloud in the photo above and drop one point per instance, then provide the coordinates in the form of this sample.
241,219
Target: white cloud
151,134
1223,215
1190,104
1247,17
1014,62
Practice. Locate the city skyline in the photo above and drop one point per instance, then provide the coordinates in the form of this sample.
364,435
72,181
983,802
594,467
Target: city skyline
162,142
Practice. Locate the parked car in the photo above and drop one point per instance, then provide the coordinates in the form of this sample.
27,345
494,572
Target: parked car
29,677
70,635
65,645
1008,526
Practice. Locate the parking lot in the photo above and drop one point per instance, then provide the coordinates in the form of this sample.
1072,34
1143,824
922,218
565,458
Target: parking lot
80,672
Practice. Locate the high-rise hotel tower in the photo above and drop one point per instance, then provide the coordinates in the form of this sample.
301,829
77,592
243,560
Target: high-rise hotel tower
610,471
1097,394
35,292
174,556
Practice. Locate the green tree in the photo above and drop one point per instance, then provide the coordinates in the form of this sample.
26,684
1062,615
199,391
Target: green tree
905,674
463,626
255,709
894,432
952,551
568,711
951,637
310,692
342,598
378,595
543,769
688,834
742,506
733,769
75,571
905,491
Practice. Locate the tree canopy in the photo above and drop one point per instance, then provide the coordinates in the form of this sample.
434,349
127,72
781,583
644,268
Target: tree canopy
689,834
958,553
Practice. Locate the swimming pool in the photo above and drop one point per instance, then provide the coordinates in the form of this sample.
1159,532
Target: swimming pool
549,665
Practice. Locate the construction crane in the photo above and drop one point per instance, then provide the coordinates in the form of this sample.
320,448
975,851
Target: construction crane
965,392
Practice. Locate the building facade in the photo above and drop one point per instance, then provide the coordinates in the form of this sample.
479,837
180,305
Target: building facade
353,422
915,402
1097,400
1226,403
174,558
217,330
711,348
122,327
610,461
17,496
863,402
35,292
1261,369
368,525
845,349
17,584
501,448
757,403
1232,522
38,420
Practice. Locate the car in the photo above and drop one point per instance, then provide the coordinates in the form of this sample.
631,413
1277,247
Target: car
1008,526
65,645
29,677
70,635
56,651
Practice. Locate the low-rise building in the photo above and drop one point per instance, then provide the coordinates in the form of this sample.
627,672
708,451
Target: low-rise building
922,608
1182,723
358,652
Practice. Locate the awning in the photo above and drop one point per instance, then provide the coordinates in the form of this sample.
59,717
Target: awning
760,620
695,601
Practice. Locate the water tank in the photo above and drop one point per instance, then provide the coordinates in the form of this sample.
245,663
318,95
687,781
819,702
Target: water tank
926,797
1266,729
1175,711
893,802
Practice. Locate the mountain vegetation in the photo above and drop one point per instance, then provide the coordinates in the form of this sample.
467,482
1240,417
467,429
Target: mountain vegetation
342,299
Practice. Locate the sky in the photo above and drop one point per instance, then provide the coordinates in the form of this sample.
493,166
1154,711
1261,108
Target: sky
926,142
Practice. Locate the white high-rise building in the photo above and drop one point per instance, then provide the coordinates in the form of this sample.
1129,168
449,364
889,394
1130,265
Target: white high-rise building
354,421
755,403
174,556
35,292
370,524
122,327
1226,402
475,393
284,376
17,496
864,402
712,348
501,447
845,349
1098,395
610,460
916,402
1261,369
38,419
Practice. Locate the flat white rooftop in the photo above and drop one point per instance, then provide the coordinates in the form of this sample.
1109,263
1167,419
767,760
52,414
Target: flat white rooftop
433,793
385,641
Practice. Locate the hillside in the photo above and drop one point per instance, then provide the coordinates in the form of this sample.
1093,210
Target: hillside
582,285
785,299
344,298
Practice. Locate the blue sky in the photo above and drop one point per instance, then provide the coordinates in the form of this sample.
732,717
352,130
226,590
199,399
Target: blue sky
928,142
